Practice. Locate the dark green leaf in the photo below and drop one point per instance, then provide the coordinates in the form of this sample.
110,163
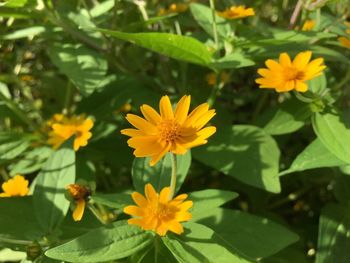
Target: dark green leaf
333,237
117,241
58,172
84,67
252,236
333,131
244,152
175,46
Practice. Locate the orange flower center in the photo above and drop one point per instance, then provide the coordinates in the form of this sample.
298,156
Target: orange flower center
164,212
291,73
78,192
169,130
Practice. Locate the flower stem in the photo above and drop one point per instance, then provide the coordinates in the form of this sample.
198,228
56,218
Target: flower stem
173,176
215,31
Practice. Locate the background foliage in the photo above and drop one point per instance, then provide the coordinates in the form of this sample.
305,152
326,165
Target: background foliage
271,185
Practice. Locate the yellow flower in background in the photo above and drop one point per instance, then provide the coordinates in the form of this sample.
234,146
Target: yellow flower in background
159,213
211,78
344,41
80,194
173,9
308,25
63,127
169,131
287,75
235,12
17,186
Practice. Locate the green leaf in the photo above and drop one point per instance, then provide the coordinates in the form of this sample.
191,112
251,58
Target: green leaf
318,85
84,67
58,172
204,17
244,152
32,161
290,117
231,61
17,220
13,144
24,33
208,199
117,241
201,244
333,131
315,155
333,237
160,174
175,46
252,236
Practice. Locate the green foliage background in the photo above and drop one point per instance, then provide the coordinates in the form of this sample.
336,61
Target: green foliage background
272,185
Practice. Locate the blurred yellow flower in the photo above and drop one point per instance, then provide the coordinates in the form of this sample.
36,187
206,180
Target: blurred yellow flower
344,41
211,78
287,75
176,132
235,12
308,25
159,213
63,127
173,8
80,194
17,186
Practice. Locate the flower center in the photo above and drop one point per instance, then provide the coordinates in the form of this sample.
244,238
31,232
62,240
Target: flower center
165,212
169,130
293,74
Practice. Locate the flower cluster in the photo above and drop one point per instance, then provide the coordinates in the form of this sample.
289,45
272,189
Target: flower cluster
17,186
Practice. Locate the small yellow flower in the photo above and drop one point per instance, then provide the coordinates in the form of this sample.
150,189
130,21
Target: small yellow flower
211,78
344,41
287,75
173,9
176,132
80,194
308,25
17,186
158,212
63,127
235,12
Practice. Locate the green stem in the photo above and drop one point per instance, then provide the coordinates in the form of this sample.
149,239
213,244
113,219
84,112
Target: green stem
215,30
97,213
173,176
22,115
216,89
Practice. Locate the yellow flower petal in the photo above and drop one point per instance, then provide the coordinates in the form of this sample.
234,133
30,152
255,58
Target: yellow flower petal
79,210
166,111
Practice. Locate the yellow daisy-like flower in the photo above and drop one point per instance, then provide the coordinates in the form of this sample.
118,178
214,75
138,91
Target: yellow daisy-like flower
63,127
80,194
287,75
211,78
308,25
235,12
17,186
159,213
169,131
344,41
173,9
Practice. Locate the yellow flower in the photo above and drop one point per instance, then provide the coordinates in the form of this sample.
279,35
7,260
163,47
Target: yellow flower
17,186
63,127
287,75
344,41
80,194
211,78
159,213
235,12
308,25
173,9
176,132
